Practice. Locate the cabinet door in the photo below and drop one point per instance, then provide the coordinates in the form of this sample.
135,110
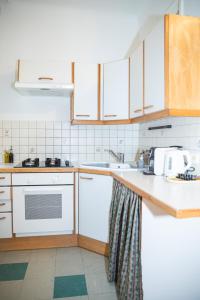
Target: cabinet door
116,90
154,94
95,192
85,91
136,83
44,71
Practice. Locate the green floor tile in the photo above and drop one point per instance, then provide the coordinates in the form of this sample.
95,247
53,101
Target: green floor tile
70,286
12,271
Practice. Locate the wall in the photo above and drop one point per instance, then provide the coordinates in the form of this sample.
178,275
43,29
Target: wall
94,31
59,139
184,132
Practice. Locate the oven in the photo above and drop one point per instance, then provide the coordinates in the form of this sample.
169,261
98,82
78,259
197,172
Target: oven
43,203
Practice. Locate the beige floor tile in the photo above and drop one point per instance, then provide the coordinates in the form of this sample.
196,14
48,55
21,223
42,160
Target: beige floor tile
97,283
107,296
93,263
68,262
73,298
41,269
36,289
10,290
17,256
2,254
42,255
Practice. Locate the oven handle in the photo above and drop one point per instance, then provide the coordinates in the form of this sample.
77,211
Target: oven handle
36,190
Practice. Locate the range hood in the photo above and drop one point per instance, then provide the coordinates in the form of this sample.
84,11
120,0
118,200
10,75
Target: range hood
44,89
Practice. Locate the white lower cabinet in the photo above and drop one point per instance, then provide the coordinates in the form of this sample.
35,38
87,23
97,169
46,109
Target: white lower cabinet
95,192
6,225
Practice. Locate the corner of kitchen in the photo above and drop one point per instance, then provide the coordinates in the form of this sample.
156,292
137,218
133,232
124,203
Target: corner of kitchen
100,150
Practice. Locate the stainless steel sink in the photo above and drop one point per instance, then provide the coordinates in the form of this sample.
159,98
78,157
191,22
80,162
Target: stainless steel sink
106,165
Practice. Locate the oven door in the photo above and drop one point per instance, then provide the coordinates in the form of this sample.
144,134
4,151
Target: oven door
43,210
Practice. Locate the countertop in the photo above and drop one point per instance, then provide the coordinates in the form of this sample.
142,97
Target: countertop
181,200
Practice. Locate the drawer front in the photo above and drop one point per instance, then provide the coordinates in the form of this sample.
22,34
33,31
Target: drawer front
5,225
5,205
5,179
5,193
42,178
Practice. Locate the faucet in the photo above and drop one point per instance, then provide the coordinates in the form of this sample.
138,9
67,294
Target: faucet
118,156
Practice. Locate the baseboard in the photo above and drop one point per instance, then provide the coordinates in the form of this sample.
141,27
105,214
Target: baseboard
93,245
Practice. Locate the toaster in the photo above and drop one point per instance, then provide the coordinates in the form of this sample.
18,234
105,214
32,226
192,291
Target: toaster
157,160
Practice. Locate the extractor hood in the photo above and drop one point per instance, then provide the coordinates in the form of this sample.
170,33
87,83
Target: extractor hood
44,89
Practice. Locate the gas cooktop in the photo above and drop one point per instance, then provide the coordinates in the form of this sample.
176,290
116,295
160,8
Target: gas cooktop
48,163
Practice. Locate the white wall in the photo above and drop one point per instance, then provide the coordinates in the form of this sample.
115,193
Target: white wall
91,31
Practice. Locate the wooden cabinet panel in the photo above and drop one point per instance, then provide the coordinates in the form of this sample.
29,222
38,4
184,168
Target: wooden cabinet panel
86,85
136,83
116,90
182,62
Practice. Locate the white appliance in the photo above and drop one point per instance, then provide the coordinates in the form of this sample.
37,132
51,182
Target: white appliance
44,78
177,162
159,160
43,203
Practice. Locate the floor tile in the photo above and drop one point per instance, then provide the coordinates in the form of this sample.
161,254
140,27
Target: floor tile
17,256
43,255
13,271
107,296
97,283
37,289
68,262
41,269
93,263
70,286
10,290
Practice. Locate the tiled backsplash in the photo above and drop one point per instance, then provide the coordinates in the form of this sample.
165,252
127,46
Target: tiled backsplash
60,139
184,132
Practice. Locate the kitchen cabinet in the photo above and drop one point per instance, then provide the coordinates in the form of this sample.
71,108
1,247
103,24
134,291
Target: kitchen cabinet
115,87
85,100
95,192
172,68
136,82
154,94
55,71
5,206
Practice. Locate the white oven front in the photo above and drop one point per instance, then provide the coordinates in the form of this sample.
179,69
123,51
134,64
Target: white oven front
43,210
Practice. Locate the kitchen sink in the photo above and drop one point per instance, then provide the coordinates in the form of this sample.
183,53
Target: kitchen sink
106,165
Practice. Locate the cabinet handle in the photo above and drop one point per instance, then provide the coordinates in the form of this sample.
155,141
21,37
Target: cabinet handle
87,116
2,192
107,116
45,78
137,110
2,204
2,218
87,178
148,106
2,178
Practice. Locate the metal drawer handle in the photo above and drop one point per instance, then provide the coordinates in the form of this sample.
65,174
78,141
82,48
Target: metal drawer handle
2,204
148,106
87,116
2,218
137,110
87,178
107,116
45,78
2,178
2,192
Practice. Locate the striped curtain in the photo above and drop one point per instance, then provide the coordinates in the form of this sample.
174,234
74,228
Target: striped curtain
124,264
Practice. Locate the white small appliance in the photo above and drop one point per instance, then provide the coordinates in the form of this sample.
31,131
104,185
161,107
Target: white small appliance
176,162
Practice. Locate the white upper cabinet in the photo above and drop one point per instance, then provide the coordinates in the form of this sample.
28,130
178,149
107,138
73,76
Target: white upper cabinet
44,71
136,82
154,85
116,90
85,91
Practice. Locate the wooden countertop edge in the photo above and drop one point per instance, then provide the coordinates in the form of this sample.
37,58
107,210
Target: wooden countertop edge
180,214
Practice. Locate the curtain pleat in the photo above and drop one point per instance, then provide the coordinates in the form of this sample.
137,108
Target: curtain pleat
124,265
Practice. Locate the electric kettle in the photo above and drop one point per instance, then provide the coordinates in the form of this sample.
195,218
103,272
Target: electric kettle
176,161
